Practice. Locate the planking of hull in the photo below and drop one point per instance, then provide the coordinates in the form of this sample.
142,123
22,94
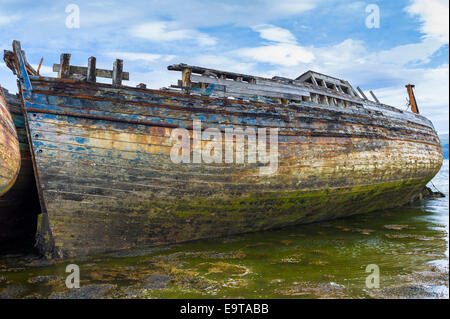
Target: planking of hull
19,206
107,179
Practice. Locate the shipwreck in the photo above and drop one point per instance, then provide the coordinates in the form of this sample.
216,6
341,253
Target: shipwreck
9,148
106,180
19,205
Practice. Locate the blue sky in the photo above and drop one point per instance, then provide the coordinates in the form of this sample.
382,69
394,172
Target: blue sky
259,37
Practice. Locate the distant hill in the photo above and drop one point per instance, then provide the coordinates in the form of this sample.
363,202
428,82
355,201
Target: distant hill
444,142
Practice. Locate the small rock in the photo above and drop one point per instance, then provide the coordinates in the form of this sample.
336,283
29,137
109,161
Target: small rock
41,279
157,281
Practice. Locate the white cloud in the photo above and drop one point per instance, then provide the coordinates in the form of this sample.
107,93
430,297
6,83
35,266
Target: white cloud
410,53
291,6
284,51
134,56
346,53
197,13
434,16
161,31
7,19
277,54
224,63
274,33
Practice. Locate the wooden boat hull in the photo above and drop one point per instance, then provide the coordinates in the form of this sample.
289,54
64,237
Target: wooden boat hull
107,182
9,149
9,165
19,207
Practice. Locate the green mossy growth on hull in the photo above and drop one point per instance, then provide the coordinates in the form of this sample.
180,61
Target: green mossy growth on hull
184,219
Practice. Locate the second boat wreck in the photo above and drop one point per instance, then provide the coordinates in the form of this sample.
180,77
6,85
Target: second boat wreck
19,206
107,180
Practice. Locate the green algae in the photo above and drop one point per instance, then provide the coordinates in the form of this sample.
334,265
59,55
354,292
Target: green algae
261,265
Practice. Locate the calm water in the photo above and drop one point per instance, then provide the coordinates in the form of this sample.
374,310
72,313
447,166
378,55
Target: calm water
324,260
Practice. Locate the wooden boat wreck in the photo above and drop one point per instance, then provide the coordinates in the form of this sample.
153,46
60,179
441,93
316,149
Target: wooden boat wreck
9,148
107,181
9,164
19,206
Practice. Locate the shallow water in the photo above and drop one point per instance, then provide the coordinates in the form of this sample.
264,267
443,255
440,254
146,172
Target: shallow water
409,246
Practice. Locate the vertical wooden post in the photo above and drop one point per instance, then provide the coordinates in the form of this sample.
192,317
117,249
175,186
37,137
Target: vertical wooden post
186,77
117,72
362,93
91,70
374,97
412,98
204,85
64,71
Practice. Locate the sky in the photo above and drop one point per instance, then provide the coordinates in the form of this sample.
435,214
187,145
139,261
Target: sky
376,45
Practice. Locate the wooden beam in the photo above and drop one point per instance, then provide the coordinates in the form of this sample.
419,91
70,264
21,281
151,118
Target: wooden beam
91,73
362,93
351,91
64,70
374,97
186,77
412,98
201,70
117,72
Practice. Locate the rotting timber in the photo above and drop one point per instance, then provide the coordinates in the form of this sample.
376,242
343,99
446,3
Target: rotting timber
19,206
106,180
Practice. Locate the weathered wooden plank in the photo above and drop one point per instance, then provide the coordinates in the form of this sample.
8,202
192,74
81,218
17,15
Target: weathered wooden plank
101,73
255,89
117,72
76,144
374,97
64,70
92,70
303,116
131,93
362,93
